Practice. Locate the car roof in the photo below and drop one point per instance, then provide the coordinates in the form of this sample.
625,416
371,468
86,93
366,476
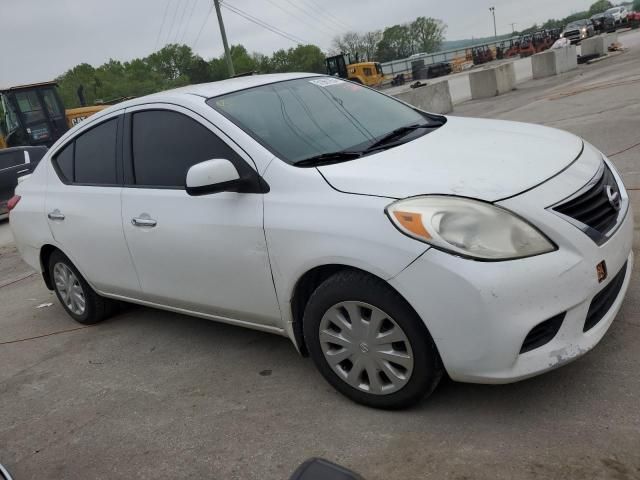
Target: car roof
209,90
223,87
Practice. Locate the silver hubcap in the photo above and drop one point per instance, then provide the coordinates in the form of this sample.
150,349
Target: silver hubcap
69,288
366,348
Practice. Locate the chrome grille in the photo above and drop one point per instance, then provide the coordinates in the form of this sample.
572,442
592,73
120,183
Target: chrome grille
599,207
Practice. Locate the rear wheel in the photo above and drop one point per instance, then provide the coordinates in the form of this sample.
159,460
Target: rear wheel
77,297
369,343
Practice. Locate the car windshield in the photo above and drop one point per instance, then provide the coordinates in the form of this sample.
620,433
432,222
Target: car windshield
578,24
310,117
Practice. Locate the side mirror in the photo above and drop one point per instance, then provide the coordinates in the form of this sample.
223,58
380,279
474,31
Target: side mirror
4,474
212,176
320,469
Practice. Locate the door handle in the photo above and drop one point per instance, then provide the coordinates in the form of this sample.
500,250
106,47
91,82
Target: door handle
55,215
143,222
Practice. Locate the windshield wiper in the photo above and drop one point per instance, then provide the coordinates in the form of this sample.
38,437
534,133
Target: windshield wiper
346,155
398,133
328,158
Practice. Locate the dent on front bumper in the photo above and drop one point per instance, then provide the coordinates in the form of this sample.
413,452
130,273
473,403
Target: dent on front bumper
480,313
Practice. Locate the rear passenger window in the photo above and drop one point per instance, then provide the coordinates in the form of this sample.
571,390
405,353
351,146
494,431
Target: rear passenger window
95,155
166,144
64,161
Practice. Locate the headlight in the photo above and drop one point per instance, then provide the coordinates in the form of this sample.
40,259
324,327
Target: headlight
466,227
584,30
562,35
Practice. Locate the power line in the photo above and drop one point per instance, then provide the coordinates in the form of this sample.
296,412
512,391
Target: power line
186,27
204,23
173,21
314,6
164,18
301,19
315,17
263,24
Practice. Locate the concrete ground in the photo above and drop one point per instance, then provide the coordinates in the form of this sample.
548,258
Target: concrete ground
150,394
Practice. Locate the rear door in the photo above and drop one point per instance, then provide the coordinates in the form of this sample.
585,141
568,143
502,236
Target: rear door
204,254
83,207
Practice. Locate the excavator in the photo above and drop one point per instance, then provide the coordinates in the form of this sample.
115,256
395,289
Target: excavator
34,115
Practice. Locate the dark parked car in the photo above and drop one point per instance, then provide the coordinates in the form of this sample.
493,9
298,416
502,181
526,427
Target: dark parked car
15,162
577,31
604,22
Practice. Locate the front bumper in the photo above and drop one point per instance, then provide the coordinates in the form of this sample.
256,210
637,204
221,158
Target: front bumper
479,313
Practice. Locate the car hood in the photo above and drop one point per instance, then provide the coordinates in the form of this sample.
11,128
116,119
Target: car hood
484,159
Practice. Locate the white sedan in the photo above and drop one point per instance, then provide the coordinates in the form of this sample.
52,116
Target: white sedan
619,14
389,244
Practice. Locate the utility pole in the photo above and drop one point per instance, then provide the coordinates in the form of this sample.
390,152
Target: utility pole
513,28
495,29
227,54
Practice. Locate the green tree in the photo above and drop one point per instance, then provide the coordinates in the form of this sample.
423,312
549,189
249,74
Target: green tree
428,34
81,75
397,42
636,5
172,62
242,61
306,58
370,41
599,7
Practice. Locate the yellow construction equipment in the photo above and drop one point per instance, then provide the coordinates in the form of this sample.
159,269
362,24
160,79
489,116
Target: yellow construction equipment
366,73
34,115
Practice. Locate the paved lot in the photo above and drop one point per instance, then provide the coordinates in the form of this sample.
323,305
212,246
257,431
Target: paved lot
152,394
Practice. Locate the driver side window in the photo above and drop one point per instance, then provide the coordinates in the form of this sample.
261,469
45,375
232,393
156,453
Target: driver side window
165,144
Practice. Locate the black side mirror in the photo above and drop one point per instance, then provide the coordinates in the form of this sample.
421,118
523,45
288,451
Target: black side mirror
320,469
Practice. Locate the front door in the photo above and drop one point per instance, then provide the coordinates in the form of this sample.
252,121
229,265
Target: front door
203,254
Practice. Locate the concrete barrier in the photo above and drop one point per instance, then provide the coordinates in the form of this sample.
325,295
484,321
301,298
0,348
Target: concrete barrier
611,39
435,98
554,62
492,81
598,45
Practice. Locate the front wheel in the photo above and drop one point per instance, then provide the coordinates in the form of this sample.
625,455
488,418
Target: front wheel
369,343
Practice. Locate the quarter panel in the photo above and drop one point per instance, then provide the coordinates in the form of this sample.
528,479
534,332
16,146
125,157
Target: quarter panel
28,221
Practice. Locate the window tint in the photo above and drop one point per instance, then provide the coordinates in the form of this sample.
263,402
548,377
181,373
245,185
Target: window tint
64,161
95,157
166,144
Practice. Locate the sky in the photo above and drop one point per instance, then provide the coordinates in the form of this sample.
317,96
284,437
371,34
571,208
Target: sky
44,38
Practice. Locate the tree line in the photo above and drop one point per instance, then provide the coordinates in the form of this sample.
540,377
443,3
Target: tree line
423,35
176,66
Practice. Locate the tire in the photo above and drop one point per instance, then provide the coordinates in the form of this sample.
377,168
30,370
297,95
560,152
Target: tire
387,385
96,308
